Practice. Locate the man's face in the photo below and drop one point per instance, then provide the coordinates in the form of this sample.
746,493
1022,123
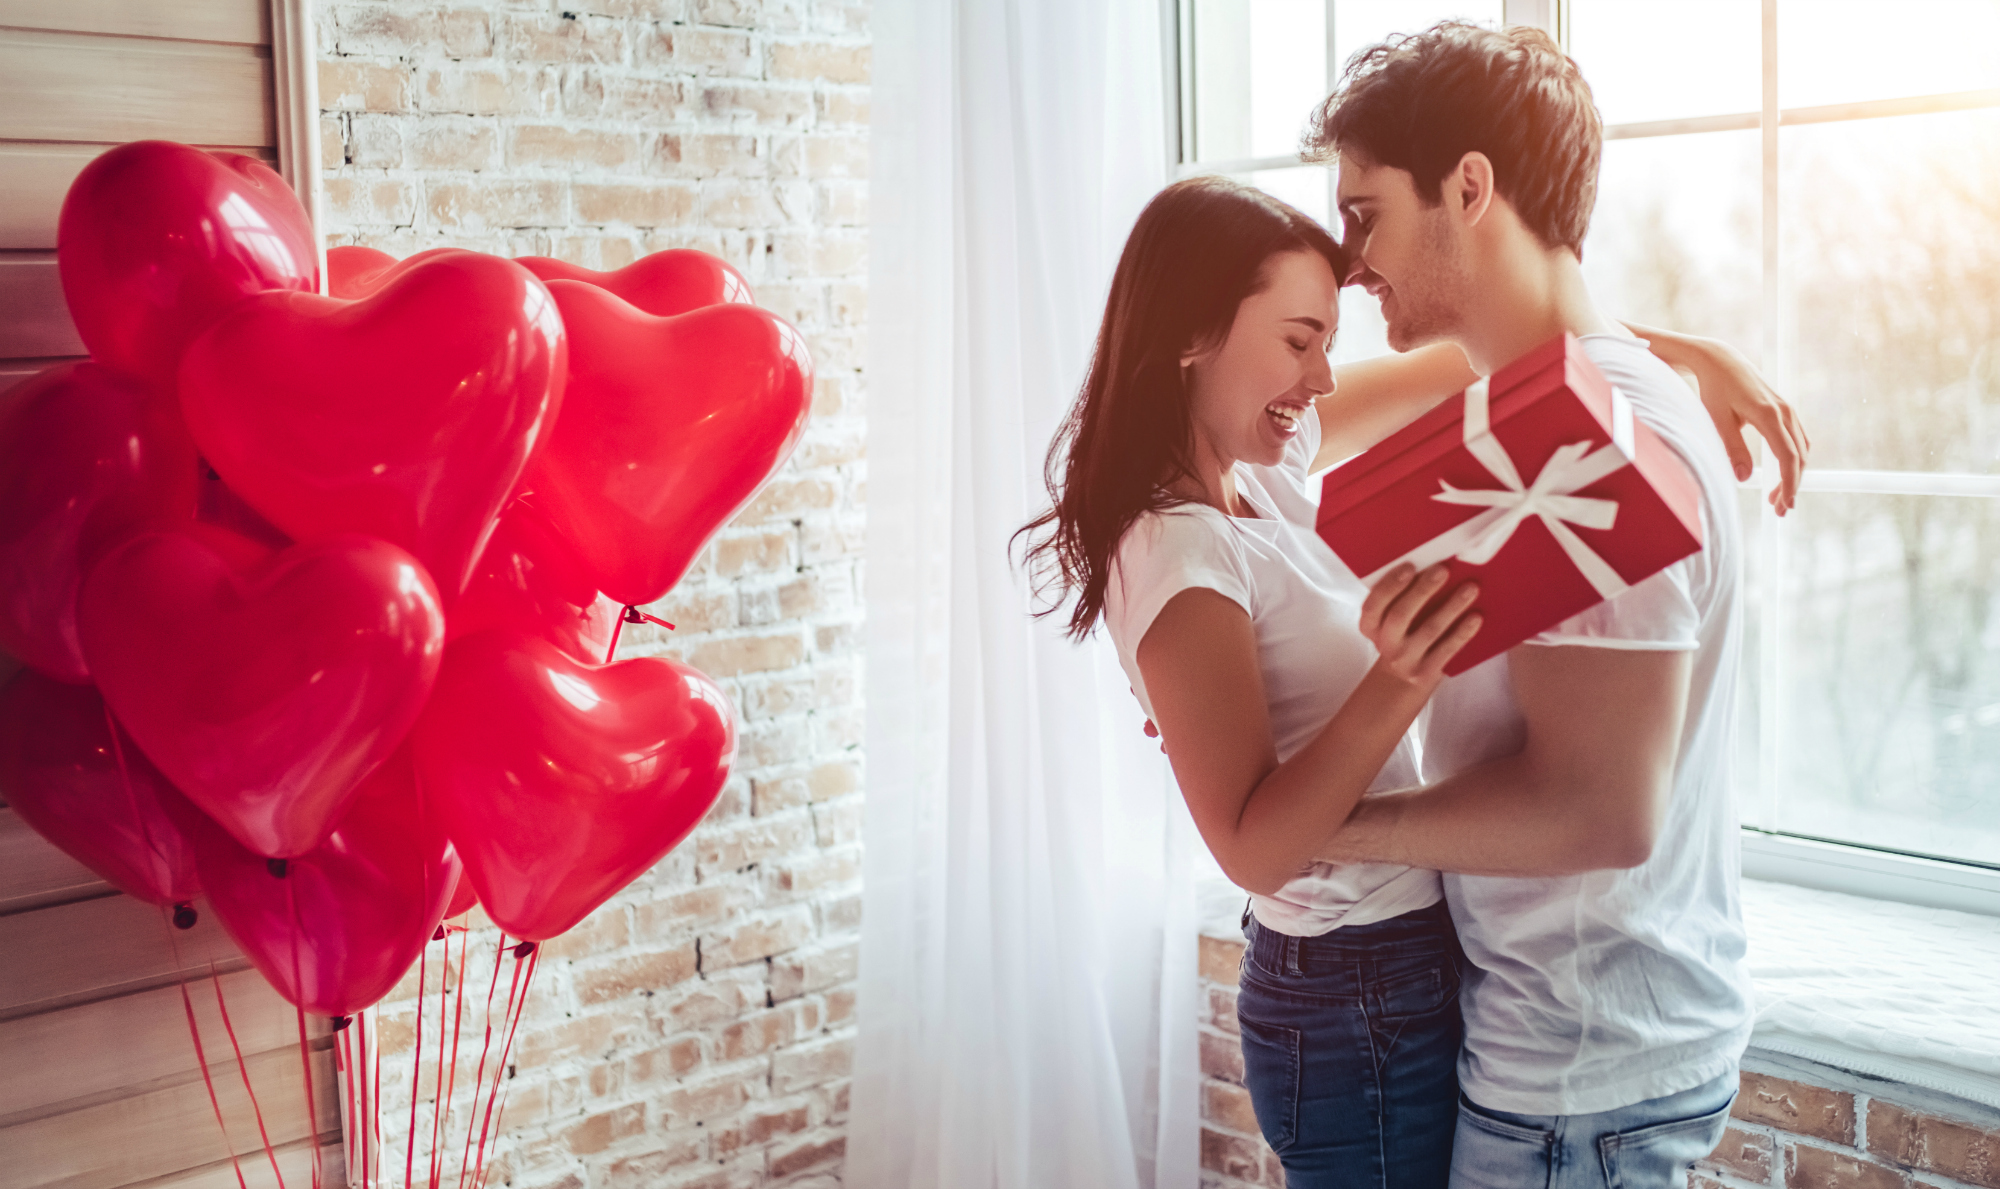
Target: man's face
1406,253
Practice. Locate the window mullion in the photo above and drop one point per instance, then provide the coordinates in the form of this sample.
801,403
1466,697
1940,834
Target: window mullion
1771,535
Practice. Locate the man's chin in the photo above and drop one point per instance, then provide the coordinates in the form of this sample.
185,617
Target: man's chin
1405,336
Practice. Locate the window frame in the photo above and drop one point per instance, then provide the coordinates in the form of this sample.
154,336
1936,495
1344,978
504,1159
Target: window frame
1768,852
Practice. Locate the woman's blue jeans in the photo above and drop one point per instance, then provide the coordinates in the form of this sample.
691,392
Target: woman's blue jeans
1350,1050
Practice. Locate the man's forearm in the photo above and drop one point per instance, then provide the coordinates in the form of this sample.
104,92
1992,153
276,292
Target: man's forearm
1498,818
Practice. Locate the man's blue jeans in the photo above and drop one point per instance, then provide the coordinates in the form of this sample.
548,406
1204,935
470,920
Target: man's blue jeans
1648,1145
1350,1050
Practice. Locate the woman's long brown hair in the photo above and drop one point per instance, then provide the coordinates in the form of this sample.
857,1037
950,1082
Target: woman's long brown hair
1198,249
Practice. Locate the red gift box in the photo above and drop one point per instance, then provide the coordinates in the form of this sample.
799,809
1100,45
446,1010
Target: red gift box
1538,483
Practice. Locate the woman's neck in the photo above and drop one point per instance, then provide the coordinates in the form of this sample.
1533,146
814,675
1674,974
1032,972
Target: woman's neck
1213,482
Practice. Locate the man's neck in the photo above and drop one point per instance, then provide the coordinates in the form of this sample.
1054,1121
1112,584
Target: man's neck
1523,296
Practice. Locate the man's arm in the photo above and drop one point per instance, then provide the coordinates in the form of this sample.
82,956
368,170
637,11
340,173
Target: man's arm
1588,791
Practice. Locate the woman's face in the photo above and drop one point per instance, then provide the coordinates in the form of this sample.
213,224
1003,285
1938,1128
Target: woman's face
1248,394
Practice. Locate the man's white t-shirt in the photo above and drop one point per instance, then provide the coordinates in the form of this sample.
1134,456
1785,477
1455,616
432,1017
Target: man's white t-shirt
1597,991
1305,607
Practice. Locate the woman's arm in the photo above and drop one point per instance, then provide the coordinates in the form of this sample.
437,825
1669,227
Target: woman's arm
1735,397
1261,819
1376,397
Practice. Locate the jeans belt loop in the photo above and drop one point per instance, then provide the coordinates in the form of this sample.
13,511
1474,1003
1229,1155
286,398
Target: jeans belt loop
1292,955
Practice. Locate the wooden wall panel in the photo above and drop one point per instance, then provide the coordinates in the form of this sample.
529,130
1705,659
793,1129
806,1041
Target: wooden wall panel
98,1050
131,1139
57,86
95,949
245,22
33,873
34,320
295,1162
33,180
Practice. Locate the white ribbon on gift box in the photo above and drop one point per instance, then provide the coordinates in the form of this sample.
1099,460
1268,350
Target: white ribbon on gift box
1480,539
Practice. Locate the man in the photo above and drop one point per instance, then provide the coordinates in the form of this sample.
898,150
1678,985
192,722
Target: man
1581,791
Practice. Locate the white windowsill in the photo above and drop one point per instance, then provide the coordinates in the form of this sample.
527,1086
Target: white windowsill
1894,992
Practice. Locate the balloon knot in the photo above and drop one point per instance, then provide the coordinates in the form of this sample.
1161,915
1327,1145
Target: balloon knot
634,615
524,949
277,867
341,1022
439,935
185,915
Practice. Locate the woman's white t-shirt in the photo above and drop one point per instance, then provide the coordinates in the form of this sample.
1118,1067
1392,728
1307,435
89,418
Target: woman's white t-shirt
1305,606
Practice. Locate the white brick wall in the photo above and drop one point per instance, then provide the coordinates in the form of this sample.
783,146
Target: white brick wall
697,1030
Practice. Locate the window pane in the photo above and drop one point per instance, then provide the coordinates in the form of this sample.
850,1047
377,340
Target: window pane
1259,68
1358,24
1892,678
1669,61
1305,187
1841,51
1676,239
1892,268
1753,802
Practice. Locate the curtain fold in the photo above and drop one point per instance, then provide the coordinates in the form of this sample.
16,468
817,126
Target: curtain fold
1026,1007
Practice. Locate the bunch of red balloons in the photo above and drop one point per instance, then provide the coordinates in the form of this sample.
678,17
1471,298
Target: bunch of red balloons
315,592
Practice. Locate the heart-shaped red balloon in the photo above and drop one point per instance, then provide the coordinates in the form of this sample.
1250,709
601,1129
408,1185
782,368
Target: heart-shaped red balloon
406,414
354,271
664,283
669,426
97,798
157,239
345,920
530,579
87,457
264,693
463,898
561,782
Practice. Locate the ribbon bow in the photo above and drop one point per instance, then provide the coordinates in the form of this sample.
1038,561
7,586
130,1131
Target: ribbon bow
1549,499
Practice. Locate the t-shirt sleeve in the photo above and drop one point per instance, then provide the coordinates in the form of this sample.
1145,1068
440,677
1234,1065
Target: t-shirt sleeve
1163,554
1656,614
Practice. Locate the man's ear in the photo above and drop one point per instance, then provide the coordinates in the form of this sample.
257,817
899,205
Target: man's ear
1469,187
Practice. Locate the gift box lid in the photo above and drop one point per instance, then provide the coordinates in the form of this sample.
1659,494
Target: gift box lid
1513,388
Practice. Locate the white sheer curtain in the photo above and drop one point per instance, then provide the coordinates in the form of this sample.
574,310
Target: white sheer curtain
1026,1007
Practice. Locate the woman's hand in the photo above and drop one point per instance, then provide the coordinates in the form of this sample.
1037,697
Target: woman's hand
1414,646
1736,397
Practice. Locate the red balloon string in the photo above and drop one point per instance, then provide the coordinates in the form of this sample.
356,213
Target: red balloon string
305,1051
367,1117
515,1008
438,1103
457,1018
200,1055
343,1063
416,1069
215,980
375,1120
312,1105
630,614
479,1077
499,1073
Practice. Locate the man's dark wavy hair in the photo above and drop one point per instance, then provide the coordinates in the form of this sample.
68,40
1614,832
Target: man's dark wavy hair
1421,102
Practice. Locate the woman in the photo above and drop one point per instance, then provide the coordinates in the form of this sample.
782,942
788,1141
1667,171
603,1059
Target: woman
1182,519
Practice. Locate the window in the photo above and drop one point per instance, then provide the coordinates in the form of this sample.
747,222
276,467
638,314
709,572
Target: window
1813,181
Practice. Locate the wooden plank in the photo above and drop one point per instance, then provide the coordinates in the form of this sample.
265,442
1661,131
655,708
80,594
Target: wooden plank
112,1048
33,873
94,949
33,180
171,1130
34,319
35,177
294,1161
108,90
12,372
246,22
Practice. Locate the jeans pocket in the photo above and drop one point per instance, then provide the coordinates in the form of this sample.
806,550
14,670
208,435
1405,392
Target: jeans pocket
1273,1056
1659,1154
1490,1153
1415,988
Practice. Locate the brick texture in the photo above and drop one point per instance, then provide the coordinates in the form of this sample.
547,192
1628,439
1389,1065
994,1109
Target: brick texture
697,1029
1784,1134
